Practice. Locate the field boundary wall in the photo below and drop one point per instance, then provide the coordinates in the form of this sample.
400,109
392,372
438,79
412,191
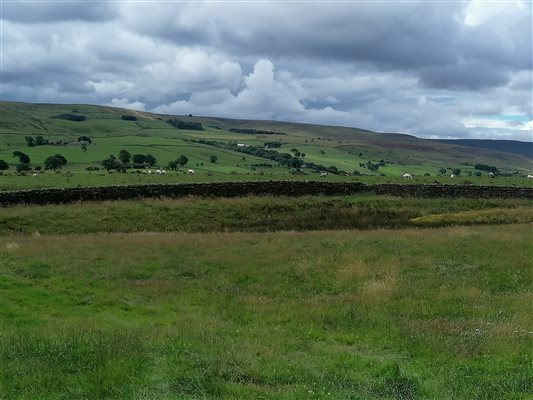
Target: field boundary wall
266,188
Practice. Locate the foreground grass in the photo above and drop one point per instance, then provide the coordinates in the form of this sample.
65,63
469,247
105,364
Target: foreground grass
261,214
415,313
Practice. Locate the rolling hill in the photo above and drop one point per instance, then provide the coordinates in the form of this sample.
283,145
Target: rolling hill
237,145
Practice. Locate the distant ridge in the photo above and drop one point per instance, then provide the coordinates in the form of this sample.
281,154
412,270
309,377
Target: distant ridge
507,146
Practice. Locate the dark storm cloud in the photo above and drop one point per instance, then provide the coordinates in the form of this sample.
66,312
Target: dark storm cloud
49,11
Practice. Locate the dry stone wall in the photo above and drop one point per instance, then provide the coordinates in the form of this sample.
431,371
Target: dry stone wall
268,188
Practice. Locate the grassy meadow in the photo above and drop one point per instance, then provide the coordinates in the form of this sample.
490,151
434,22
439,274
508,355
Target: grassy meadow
340,147
261,214
405,314
354,297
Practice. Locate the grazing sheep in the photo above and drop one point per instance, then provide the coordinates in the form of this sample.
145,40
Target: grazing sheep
163,172
158,171
407,176
530,177
452,176
35,174
324,173
491,174
145,172
190,172
149,171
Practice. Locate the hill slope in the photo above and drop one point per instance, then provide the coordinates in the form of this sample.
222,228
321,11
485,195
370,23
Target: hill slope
508,146
336,148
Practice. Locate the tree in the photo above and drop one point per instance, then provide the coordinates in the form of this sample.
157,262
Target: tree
23,158
456,171
172,165
3,165
40,140
85,139
111,163
295,162
139,158
23,167
30,141
124,156
52,162
442,171
213,159
150,160
63,159
182,160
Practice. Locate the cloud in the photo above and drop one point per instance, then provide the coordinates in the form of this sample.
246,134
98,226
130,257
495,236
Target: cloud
419,67
50,12
125,103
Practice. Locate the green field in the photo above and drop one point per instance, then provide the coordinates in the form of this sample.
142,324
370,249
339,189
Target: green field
342,148
315,297
267,298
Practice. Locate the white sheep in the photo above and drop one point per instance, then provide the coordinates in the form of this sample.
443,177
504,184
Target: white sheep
452,176
163,172
35,174
324,173
190,172
407,176
530,177
158,171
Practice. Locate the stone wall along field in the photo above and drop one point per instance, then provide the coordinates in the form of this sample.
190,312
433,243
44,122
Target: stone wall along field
269,188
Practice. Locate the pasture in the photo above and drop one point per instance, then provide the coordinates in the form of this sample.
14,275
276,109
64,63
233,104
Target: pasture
364,155
267,298
67,178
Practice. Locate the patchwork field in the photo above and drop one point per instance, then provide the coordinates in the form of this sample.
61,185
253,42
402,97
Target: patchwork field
348,153
170,299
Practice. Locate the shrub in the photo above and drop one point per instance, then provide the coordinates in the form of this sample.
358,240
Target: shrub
254,131
176,123
23,167
3,165
70,117
129,118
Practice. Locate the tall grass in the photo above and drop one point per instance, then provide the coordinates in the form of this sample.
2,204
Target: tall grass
261,214
396,314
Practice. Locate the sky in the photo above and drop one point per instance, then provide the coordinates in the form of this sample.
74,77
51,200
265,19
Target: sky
435,69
